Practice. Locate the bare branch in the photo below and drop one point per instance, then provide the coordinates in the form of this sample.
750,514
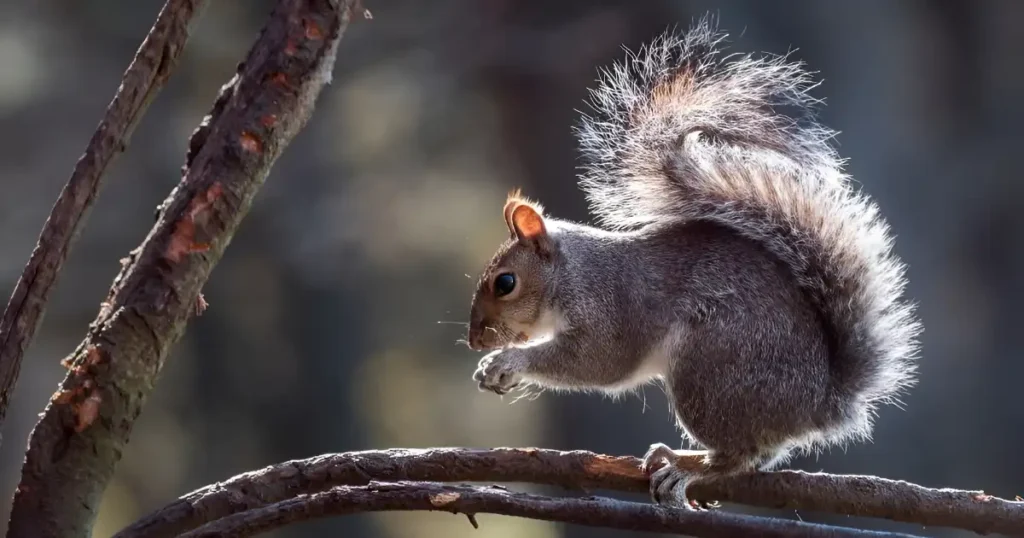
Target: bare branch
842,494
78,441
149,70
471,500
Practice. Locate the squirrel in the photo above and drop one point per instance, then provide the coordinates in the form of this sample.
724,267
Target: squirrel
734,263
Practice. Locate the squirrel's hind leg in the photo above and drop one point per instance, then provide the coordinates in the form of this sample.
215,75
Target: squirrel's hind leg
681,469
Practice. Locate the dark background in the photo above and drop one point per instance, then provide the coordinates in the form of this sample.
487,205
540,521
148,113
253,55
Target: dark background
323,333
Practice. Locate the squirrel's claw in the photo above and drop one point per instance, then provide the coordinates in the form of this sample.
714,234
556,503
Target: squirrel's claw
704,505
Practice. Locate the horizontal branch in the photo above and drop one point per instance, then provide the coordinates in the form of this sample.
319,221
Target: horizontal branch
472,500
841,494
145,76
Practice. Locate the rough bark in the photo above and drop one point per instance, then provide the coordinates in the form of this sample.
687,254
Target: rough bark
78,441
470,500
145,76
841,494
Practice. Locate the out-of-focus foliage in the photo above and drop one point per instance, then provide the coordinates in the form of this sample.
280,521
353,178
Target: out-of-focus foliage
334,315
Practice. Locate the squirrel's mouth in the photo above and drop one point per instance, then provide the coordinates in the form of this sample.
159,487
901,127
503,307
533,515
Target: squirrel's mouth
483,339
477,345
493,337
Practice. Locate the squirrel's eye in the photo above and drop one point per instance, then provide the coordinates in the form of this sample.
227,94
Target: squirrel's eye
504,284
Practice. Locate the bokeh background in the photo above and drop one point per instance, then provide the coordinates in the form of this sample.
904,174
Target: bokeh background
334,314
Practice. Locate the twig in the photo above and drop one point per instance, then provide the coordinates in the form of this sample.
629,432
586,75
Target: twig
842,494
470,500
149,70
77,442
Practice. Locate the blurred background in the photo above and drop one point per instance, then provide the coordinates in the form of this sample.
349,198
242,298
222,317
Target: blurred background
334,314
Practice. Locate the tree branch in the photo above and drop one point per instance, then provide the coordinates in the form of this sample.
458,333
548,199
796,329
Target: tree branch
149,70
842,494
470,500
78,441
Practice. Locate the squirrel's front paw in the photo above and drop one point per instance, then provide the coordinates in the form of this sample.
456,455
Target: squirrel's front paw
500,371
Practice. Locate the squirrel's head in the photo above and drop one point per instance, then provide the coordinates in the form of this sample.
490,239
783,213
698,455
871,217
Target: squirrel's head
511,297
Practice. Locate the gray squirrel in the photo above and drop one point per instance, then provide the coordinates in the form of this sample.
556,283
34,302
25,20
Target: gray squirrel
735,264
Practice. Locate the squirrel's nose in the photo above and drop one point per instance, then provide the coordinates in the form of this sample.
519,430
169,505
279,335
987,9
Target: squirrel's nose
473,339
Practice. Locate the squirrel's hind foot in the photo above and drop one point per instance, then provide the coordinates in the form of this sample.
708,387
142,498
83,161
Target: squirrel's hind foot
669,483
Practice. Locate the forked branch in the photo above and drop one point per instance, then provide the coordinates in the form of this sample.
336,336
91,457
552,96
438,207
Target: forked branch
149,70
79,438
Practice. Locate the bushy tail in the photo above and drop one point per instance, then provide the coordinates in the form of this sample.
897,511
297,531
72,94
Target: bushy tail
681,133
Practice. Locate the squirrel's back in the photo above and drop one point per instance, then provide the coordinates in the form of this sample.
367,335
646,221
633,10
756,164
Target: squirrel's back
680,133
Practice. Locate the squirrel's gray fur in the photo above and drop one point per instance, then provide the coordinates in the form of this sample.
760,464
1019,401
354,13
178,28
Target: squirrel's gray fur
736,263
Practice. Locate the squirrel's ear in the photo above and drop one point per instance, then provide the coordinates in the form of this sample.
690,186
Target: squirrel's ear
509,206
528,226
